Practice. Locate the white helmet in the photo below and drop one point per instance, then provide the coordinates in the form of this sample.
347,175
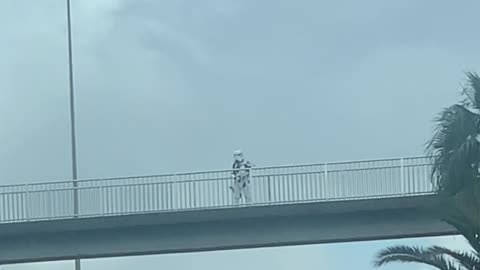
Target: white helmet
238,155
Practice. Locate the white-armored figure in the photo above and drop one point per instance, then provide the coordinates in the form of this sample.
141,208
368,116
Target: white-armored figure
241,177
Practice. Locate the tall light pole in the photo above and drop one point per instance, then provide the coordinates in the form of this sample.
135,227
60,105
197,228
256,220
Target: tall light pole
72,120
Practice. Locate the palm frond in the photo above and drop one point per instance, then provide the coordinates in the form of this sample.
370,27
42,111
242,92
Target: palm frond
407,254
472,91
469,260
454,149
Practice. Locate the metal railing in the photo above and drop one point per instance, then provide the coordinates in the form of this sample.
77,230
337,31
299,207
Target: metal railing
209,190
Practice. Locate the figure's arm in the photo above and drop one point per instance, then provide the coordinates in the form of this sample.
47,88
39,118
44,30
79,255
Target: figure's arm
248,164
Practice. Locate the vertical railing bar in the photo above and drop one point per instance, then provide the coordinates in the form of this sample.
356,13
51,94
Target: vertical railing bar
154,194
291,178
174,198
9,216
184,185
325,177
54,204
309,185
116,204
225,189
318,182
198,192
288,183
306,184
161,196
138,194
3,215
178,194
162,199
292,190
123,198
19,207
10,205
414,186
183,192
133,190
61,200
144,195
126,198
149,191
209,190
284,195
194,187
214,189
109,199
130,195
166,201
402,173
15,205
45,204
269,186
219,190
293,185
297,194
26,188
314,193
214,181
103,199
151,195
86,196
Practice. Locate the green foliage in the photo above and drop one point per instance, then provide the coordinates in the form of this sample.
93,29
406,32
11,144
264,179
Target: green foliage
455,153
454,149
438,257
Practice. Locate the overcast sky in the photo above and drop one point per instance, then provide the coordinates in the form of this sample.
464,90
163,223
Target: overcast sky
176,85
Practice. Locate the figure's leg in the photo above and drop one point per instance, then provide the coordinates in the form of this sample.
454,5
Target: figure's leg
236,193
247,191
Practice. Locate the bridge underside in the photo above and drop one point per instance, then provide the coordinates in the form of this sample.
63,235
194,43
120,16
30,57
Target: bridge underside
220,229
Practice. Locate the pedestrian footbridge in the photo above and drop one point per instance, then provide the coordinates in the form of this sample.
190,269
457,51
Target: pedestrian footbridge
189,212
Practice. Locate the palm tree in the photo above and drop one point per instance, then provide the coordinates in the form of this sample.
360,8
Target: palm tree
455,153
454,147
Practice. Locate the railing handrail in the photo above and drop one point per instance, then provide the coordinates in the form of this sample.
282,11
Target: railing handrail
211,172
56,189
